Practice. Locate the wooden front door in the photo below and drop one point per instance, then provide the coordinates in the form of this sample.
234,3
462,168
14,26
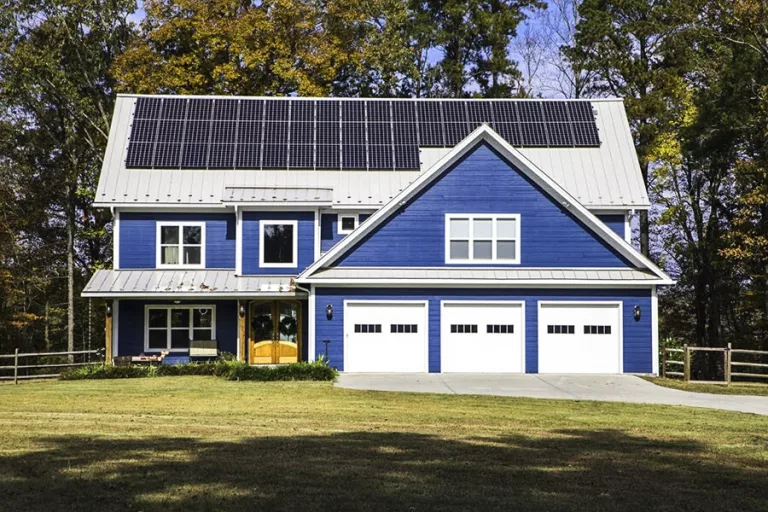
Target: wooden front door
275,333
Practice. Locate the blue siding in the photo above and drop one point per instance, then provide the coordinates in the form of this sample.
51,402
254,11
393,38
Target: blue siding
130,326
329,233
483,182
138,233
306,241
615,222
637,334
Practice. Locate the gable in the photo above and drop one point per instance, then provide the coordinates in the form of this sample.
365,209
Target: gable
483,182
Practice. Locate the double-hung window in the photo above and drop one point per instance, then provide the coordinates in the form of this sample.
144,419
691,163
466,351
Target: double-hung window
278,246
172,327
482,238
181,244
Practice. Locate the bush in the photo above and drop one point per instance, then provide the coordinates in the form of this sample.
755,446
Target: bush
318,370
108,372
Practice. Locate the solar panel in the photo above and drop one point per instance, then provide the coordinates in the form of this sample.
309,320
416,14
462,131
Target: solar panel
223,132
404,112
429,112
170,131
139,155
275,132
303,110
276,110
147,108
221,156
529,112
248,156
407,157
143,130
353,133
173,108
380,157
559,134
167,156
505,112
380,134
431,134
455,132
509,132
197,132
301,156
194,156
585,134
556,111
275,156
302,133
249,132
405,134
199,109
581,111
353,111
328,133
353,156
379,111
454,112
328,111
225,110
328,157
479,112
252,110
532,134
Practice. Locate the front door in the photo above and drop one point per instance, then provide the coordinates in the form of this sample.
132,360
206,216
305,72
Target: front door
275,332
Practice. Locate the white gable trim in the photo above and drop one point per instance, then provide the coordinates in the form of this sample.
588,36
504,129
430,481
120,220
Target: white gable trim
485,134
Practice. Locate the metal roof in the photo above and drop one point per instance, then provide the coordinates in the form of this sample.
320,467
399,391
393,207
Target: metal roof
605,177
182,283
277,195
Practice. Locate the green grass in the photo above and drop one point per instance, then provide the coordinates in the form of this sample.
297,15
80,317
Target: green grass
202,443
738,388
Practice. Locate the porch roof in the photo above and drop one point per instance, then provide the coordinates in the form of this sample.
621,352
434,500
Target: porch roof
186,283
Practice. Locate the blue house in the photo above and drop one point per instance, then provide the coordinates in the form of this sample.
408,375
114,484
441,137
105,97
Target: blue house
385,235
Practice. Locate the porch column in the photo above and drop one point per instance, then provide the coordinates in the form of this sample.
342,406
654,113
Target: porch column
108,333
242,310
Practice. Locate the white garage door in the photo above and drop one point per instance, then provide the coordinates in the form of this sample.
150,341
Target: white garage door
580,338
482,337
385,337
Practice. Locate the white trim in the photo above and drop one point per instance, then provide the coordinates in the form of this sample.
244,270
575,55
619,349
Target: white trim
171,295
425,303
280,205
115,327
170,307
654,331
318,232
116,239
618,303
579,283
159,225
311,322
471,217
238,242
295,255
627,228
239,304
315,98
523,332
520,162
339,229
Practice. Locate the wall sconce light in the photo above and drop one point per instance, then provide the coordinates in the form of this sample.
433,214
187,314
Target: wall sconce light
241,312
109,310
329,312
636,313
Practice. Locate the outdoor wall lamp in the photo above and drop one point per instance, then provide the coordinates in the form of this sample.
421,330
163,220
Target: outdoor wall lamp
241,312
109,310
329,312
636,312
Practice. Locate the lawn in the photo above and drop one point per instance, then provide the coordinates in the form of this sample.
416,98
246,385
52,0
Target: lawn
737,388
201,443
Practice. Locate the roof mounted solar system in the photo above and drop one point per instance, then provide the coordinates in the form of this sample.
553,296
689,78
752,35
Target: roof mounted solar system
351,134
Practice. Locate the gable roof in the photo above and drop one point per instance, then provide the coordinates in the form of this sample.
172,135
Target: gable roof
601,177
484,134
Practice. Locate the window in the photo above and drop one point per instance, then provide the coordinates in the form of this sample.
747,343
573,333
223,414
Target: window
368,328
172,327
181,244
464,328
597,329
404,328
561,329
347,224
480,238
500,329
277,243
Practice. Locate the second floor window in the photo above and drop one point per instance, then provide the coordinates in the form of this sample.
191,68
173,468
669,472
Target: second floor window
278,245
482,238
181,244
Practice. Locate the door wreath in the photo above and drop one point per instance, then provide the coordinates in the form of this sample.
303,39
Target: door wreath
288,326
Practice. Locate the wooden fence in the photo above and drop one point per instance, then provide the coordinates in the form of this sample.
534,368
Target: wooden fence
677,368
16,356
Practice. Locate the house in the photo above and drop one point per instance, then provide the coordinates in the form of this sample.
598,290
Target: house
387,235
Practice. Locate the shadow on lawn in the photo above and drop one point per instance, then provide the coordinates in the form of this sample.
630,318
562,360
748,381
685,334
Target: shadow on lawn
574,470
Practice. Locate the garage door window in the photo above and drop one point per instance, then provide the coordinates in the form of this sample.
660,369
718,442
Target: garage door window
500,329
478,238
561,329
464,328
368,328
597,329
404,328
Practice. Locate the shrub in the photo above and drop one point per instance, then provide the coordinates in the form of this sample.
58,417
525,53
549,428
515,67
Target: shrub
108,372
296,371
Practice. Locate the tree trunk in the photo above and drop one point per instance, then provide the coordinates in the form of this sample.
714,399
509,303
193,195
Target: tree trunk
645,246
70,270
47,333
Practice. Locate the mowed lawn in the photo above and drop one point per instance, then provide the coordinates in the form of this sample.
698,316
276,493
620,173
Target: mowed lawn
200,443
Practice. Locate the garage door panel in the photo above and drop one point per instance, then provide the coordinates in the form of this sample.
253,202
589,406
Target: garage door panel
385,337
579,338
482,337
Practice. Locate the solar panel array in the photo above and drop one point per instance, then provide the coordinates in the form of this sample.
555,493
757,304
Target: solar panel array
222,133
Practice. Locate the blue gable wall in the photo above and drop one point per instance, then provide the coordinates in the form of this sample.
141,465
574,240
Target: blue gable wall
138,234
615,222
131,324
329,229
483,182
637,334
306,241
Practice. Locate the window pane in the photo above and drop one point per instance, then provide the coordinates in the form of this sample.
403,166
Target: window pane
506,250
158,338
202,318
192,255
459,250
483,229
278,243
169,256
459,228
482,250
347,223
201,334
506,228
158,318
193,235
180,338
180,318
169,235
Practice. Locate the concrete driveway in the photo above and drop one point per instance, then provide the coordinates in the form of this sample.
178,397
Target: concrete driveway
611,388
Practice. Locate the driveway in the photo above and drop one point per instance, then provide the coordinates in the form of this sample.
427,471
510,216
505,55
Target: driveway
611,388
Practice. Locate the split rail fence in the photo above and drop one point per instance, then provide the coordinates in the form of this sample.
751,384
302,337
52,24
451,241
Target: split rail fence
671,366
29,371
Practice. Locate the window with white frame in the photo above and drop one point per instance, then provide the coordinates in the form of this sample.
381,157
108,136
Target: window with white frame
482,238
347,223
173,327
278,245
181,244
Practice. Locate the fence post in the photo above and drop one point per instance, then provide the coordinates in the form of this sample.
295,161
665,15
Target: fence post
16,366
728,365
664,362
687,363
